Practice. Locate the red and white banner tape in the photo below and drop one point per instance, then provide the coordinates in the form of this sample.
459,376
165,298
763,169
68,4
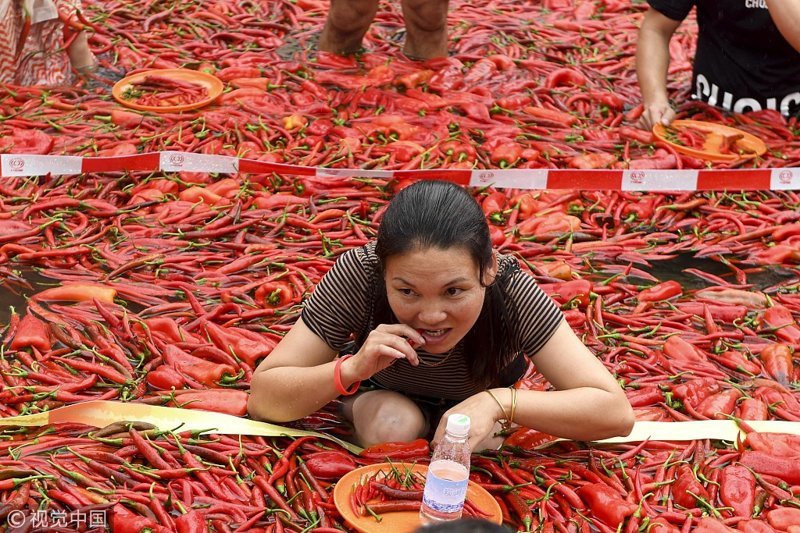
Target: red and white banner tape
776,179
101,413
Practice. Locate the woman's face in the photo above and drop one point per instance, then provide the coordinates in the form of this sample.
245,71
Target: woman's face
438,292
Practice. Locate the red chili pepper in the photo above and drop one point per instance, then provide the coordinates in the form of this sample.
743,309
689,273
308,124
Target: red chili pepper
506,154
520,508
124,521
785,468
274,294
686,490
572,294
528,205
394,493
660,292
645,396
606,503
635,134
458,150
754,526
203,371
513,102
494,202
26,141
720,405
201,194
398,506
778,444
752,409
736,361
32,332
678,348
191,522
416,449
227,401
78,292
775,255
247,345
565,76
329,465
126,119
710,525
497,235
696,390
551,117
777,360
783,518
737,489
781,320
592,161
641,210
230,73
414,79
528,439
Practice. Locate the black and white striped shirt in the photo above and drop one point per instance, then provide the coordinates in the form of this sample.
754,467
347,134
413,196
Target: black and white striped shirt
337,311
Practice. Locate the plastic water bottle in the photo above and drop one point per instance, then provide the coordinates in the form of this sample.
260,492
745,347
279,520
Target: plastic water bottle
448,474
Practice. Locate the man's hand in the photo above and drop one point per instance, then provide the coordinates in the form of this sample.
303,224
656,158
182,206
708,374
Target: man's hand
656,113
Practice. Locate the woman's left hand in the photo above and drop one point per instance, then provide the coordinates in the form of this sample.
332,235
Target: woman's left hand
483,413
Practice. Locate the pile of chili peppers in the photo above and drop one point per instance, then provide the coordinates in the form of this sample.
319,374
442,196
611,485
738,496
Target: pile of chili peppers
160,91
169,288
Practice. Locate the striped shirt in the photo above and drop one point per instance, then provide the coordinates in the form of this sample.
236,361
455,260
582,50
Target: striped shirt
338,310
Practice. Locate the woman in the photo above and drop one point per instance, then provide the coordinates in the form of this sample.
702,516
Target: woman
430,312
33,40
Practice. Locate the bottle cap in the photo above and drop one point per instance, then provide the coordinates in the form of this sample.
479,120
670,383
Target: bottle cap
458,425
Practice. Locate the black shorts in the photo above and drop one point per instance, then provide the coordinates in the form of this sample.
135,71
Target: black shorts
434,408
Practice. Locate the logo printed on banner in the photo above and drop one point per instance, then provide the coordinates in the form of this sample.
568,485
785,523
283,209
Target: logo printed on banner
17,164
485,177
638,176
176,159
785,177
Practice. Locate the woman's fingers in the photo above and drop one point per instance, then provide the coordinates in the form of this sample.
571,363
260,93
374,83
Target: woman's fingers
401,337
404,331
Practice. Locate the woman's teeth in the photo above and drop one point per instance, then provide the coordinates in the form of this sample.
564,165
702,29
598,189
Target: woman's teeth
435,332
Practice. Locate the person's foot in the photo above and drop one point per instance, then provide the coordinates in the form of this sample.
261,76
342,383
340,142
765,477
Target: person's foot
426,28
426,45
337,42
346,25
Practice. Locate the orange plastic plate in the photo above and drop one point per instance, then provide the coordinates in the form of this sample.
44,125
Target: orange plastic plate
401,522
742,145
213,85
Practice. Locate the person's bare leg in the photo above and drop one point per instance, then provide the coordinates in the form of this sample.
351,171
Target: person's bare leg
80,55
348,21
384,416
426,28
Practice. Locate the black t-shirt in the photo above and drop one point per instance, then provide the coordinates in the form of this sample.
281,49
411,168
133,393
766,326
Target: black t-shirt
743,63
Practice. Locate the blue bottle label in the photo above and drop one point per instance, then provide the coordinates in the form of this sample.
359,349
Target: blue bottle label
446,491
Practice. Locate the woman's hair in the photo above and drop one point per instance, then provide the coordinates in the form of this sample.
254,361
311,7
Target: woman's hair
439,214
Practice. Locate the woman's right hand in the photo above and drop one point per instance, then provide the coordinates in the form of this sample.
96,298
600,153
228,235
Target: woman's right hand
659,112
384,345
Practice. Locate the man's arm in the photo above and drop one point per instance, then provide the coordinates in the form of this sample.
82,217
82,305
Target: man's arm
652,63
786,15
